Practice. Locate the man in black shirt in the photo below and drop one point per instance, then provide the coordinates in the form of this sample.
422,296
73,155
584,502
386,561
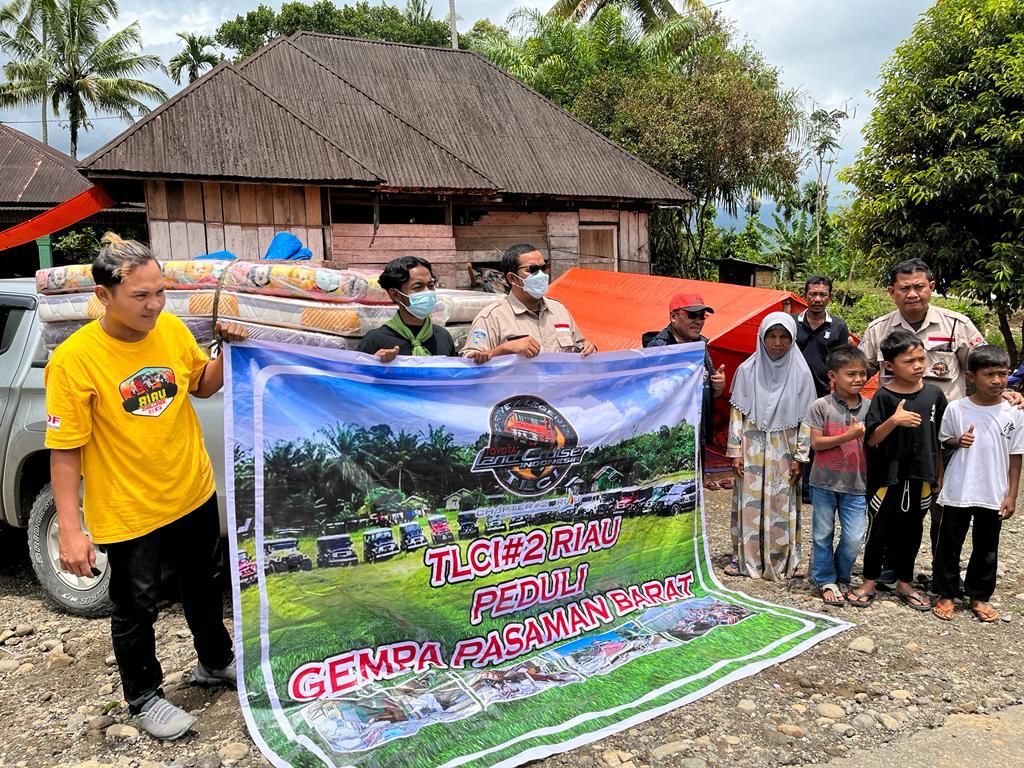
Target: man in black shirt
686,315
818,332
409,281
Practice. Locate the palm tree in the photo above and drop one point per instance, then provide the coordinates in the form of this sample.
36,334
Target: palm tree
650,12
21,23
73,67
555,56
193,58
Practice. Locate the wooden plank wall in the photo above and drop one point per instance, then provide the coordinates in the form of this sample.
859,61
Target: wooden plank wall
354,245
188,219
634,242
564,240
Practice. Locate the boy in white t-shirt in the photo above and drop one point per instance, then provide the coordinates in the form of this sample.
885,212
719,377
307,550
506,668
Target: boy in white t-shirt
981,482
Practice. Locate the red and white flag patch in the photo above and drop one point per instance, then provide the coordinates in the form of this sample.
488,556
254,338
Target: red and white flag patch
52,422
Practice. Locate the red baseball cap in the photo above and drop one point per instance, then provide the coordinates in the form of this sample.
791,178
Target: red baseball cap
690,302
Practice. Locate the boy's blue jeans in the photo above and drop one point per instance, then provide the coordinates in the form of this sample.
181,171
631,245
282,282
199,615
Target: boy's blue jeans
832,566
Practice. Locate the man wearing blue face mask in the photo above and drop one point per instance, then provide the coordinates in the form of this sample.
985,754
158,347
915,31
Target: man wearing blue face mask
409,281
526,323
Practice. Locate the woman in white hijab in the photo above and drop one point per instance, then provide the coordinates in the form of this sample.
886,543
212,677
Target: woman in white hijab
772,392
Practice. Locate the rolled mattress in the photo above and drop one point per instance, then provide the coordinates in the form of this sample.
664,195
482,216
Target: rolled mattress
178,275
86,306
304,281
322,317
55,334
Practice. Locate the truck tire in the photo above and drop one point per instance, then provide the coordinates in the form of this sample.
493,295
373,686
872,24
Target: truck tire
75,594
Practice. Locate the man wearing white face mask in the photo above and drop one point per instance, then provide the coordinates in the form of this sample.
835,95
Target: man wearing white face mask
409,281
526,323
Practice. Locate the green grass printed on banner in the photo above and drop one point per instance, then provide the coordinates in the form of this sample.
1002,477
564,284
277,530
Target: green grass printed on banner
319,613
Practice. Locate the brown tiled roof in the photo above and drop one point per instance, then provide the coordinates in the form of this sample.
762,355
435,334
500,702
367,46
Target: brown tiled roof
33,173
416,117
226,126
404,156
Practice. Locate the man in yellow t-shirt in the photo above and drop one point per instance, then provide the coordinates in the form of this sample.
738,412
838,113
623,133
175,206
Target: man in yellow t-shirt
119,415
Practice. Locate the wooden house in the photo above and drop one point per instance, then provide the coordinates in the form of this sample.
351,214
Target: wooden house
369,150
749,273
35,177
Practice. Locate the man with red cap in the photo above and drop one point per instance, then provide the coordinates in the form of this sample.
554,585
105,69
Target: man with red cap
686,315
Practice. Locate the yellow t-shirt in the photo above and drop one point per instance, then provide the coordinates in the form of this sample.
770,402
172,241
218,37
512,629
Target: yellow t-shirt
127,406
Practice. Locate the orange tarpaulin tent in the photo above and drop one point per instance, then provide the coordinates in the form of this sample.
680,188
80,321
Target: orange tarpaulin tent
614,309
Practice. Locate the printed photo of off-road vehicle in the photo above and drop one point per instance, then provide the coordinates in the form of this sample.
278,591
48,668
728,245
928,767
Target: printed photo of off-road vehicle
411,535
283,556
335,550
440,531
247,573
676,499
467,526
494,524
379,544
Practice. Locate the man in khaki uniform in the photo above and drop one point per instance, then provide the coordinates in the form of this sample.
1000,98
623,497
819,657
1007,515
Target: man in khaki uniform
526,323
947,335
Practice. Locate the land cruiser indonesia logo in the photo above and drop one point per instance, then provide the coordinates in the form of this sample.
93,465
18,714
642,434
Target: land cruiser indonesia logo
149,391
532,446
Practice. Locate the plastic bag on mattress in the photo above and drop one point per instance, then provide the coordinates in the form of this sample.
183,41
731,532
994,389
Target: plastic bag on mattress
459,333
297,281
319,316
464,306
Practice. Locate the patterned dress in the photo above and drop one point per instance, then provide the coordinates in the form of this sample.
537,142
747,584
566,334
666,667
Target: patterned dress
766,507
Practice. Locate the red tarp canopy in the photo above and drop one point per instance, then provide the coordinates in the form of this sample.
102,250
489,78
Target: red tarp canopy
614,309
81,206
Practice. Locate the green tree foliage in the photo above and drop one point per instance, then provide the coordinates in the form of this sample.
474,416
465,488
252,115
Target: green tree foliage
650,12
683,96
414,24
76,66
193,58
346,473
940,174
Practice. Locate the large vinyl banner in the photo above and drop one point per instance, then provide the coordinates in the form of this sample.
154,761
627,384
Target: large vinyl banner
443,564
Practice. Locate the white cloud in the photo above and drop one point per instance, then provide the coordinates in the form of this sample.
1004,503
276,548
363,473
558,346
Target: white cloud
830,49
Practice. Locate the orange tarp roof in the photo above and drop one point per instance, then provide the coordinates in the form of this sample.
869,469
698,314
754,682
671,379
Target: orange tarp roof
614,309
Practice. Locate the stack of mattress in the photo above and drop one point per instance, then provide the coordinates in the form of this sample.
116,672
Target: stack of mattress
279,301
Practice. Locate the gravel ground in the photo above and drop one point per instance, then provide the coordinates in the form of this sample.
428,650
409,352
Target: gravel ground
895,674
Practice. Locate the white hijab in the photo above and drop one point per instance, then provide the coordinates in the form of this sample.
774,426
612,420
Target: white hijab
774,394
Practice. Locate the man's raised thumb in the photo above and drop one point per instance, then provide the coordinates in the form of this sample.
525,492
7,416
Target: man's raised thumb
899,407
970,430
721,368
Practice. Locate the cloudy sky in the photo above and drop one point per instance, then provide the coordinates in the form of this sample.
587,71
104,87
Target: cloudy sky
829,49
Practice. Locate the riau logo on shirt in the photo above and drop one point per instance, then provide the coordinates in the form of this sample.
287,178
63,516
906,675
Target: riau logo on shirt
53,422
149,391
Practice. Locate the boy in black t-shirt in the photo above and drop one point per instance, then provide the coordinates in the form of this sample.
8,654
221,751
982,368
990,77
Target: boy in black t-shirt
904,468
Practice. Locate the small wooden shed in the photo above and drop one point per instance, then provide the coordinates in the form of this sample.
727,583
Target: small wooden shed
369,150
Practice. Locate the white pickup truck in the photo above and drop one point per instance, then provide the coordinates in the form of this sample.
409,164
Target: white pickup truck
26,500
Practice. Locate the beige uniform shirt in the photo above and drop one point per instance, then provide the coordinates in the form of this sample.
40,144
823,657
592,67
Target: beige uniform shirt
947,337
552,326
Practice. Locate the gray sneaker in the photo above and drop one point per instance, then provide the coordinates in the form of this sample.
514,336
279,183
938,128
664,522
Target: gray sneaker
225,676
162,720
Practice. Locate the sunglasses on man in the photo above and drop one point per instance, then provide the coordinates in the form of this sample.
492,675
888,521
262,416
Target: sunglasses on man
693,315
533,269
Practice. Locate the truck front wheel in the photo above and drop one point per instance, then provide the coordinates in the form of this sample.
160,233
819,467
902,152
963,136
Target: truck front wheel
82,596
